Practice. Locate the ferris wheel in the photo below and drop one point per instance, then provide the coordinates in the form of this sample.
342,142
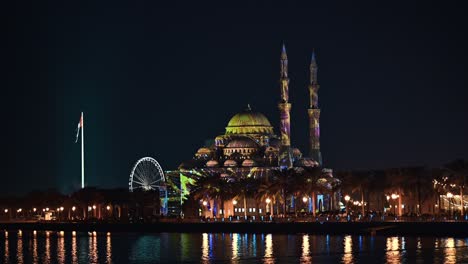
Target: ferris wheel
147,175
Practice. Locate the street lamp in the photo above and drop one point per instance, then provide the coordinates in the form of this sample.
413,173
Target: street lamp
304,199
234,202
205,203
73,212
449,196
108,208
394,197
268,201
347,198
6,211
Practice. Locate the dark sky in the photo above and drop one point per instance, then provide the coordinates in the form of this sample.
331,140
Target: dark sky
159,80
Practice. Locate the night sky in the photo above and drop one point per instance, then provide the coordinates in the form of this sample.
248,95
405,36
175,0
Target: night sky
159,80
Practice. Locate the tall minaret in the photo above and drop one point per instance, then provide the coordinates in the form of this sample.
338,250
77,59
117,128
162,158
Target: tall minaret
314,113
285,108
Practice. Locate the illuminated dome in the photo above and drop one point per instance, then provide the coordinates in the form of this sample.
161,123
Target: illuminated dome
242,143
306,162
296,153
248,122
248,163
204,150
203,153
212,163
230,163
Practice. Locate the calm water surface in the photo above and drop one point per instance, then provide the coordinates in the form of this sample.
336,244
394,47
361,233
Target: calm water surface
72,247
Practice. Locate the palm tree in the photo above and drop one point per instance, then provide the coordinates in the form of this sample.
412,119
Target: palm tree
86,197
225,192
356,181
397,181
207,188
244,188
437,175
305,184
456,171
266,192
282,185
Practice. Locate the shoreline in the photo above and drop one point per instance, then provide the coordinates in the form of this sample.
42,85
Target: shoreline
438,229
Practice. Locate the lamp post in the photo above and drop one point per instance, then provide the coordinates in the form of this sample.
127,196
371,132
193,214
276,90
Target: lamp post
268,201
394,197
449,196
347,198
73,212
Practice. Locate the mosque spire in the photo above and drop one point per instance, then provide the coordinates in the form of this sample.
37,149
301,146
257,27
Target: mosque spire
313,85
284,75
314,113
285,109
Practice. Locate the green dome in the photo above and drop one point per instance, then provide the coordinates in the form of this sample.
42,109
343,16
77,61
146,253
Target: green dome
248,122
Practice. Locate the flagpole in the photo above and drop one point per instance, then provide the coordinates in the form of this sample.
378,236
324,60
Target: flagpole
82,152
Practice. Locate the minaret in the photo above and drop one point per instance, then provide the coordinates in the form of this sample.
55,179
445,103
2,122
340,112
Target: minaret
314,113
285,108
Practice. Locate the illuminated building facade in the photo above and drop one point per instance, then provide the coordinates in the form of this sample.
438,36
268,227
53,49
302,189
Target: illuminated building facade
250,147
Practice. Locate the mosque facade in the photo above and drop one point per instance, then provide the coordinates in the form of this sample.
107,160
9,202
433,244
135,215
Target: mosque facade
251,148
250,144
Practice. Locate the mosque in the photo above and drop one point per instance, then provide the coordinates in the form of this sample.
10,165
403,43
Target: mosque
251,148
250,144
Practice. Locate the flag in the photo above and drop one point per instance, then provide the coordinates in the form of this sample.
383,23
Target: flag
80,125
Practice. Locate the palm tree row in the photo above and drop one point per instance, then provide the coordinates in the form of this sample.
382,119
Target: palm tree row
421,184
279,187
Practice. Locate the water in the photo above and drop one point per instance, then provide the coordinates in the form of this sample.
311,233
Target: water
73,247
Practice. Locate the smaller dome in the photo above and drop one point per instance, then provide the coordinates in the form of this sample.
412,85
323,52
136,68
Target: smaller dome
212,163
306,162
230,163
296,153
204,151
242,143
248,163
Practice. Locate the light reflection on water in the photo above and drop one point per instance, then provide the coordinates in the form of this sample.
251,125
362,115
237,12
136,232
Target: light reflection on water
71,247
47,248
61,247
450,251
19,248
348,250
205,249
35,258
108,248
235,248
74,252
269,249
93,251
7,248
393,250
305,257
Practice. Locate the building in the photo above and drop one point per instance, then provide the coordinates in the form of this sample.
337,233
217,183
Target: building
251,148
